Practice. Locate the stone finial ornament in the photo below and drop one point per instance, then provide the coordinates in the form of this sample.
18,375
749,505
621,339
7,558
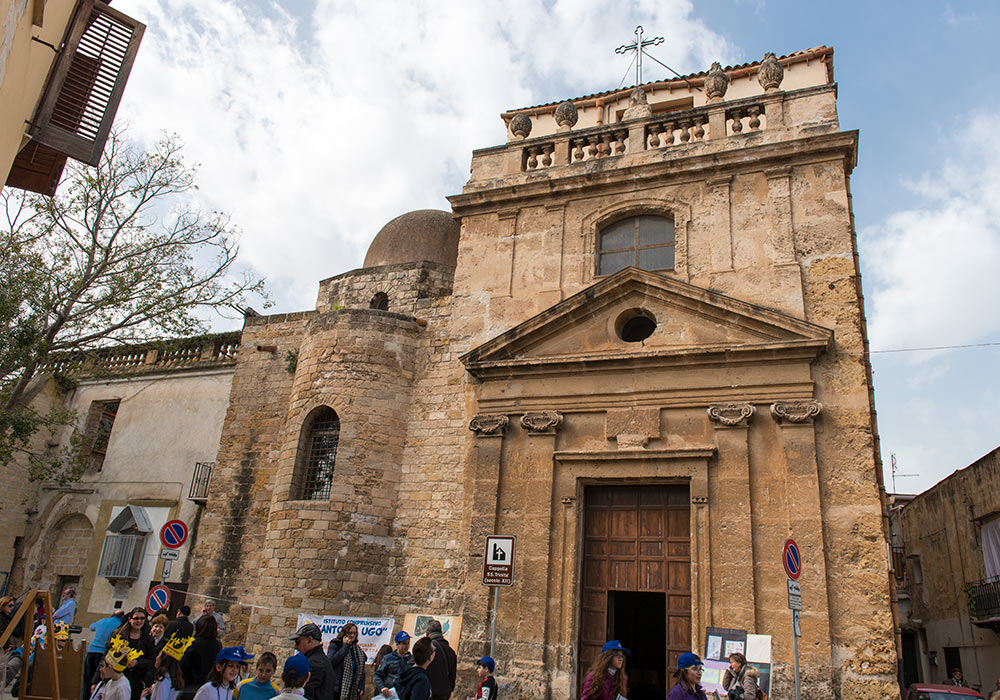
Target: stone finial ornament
520,126
716,83
770,73
489,424
566,116
638,107
731,414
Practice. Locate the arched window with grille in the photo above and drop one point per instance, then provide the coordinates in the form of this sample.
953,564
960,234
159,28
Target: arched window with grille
646,242
318,454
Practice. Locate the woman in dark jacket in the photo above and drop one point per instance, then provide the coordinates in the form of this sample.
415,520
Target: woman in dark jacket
135,631
348,661
199,659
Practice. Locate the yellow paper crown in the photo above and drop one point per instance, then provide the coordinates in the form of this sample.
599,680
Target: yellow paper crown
120,654
60,631
176,646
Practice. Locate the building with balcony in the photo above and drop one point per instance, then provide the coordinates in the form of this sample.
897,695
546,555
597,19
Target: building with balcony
63,68
637,343
149,420
949,611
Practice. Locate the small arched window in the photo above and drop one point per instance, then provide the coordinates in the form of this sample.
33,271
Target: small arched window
380,302
646,242
318,453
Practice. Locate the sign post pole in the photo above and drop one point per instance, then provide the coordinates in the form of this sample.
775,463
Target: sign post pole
498,570
795,652
493,619
791,559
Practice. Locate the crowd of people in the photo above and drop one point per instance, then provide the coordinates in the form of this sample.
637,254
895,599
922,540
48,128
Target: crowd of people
608,680
135,656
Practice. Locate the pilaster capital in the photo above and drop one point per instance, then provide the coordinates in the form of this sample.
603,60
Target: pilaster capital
795,411
542,422
731,415
488,424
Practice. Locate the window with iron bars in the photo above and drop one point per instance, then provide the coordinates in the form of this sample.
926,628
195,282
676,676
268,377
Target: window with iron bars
323,434
121,557
200,481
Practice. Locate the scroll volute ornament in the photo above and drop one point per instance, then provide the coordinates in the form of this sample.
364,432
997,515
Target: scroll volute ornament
566,116
795,411
542,422
731,414
520,126
716,83
770,73
489,424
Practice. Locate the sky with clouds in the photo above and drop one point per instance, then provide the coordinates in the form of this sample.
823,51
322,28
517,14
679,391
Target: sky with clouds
316,121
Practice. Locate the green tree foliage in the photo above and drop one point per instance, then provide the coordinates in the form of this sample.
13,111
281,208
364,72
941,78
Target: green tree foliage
117,256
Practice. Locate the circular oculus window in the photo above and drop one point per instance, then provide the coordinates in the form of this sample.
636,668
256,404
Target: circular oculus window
635,325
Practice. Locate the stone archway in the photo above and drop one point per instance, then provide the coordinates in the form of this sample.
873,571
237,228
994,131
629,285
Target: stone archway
67,545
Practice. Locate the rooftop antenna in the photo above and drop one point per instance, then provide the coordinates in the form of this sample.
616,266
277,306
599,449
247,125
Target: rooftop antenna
639,47
892,458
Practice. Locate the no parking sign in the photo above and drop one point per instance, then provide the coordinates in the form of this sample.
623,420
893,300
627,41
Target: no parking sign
174,534
158,599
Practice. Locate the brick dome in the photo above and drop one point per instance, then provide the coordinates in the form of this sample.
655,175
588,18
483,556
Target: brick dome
425,234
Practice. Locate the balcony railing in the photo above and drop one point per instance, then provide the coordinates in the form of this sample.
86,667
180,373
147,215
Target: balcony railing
200,481
984,600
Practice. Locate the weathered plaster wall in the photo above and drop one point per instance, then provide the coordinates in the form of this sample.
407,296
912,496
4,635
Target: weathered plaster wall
940,529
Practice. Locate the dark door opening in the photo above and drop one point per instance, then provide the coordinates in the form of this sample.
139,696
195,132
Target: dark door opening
638,620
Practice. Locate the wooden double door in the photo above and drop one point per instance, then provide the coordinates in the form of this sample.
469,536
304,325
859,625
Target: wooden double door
637,580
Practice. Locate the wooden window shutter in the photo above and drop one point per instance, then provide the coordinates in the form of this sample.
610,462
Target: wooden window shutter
86,82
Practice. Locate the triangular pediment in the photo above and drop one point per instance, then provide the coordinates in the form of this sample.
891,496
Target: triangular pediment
690,323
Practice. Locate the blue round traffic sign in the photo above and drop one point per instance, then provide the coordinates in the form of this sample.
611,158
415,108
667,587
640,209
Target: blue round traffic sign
791,559
158,599
174,534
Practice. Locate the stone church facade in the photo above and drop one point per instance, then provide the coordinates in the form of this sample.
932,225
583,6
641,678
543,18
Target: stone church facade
637,343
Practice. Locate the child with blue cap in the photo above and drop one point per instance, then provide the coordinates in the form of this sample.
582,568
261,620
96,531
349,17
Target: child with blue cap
393,664
487,684
222,679
294,678
688,675
606,679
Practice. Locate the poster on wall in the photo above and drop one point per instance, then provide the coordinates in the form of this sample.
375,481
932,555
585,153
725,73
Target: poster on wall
720,642
451,626
373,632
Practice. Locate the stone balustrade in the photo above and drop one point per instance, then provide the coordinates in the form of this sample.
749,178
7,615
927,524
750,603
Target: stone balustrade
203,351
696,128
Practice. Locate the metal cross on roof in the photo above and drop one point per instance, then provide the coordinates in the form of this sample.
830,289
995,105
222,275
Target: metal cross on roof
638,45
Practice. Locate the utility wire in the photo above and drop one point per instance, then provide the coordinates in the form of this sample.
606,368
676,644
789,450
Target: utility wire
936,347
631,63
690,84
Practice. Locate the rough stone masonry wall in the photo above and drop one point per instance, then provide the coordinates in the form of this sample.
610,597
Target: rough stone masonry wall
334,555
230,532
861,624
431,521
405,284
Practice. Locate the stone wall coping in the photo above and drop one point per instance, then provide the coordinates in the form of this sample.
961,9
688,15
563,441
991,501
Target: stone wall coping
278,318
378,269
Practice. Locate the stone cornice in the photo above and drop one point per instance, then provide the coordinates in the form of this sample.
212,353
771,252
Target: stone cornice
706,452
620,174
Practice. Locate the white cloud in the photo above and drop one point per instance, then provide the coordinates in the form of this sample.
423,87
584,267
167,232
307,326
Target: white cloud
934,268
313,130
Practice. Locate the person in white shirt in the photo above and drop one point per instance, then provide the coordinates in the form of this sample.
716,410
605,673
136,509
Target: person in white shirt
222,679
294,678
